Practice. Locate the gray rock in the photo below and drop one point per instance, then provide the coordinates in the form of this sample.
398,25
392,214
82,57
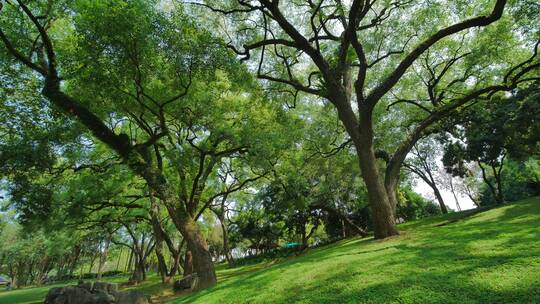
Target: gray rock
101,286
102,298
187,282
131,297
68,295
53,294
88,293
86,285
112,288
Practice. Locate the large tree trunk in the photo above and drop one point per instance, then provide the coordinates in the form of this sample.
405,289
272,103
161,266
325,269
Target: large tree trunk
196,244
188,263
361,132
391,186
383,216
139,272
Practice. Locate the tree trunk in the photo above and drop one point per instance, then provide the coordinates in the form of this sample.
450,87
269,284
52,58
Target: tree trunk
43,271
130,261
361,132
225,231
75,259
391,186
498,180
454,194
176,258
162,265
438,195
188,263
158,236
174,267
488,183
343,231
428,178
196,244
303,241
384,223
139,271
103,257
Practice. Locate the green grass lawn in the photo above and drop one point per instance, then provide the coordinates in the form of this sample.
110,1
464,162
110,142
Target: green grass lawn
491,256
486,257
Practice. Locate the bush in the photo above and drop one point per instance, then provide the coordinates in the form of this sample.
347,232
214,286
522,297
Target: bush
413,206
520,180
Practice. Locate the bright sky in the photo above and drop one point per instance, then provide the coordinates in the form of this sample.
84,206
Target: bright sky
422,188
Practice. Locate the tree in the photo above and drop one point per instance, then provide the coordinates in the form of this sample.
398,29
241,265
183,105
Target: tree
353,58
413,206
424,165
490,134
127,88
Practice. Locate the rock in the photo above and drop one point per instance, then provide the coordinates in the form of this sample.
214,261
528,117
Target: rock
112,288
131,297
102,298
53,294
93,293
187,282
86,285
68,295
101,286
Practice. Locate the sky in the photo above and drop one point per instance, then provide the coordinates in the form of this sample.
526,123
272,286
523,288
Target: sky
422,188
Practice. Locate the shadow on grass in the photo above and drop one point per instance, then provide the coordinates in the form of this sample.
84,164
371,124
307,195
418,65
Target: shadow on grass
480,258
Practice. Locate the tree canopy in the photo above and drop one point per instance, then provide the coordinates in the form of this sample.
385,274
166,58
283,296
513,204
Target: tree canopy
188,133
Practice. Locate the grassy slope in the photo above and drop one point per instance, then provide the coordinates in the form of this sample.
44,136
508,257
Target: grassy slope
487,257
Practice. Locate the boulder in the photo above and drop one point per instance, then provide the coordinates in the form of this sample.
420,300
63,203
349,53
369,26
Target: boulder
131,297
187,282
68,295
101,286
53,294
86,285
112,288
101,297
93,293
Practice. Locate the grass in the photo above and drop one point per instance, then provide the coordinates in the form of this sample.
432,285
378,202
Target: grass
487,257
492,256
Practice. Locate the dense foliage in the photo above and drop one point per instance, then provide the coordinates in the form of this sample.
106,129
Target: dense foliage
166,136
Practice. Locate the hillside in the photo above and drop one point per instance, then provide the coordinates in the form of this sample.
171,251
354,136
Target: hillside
468,257
486,257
